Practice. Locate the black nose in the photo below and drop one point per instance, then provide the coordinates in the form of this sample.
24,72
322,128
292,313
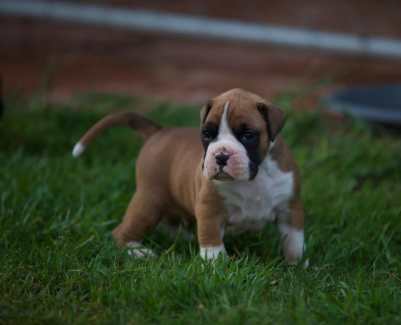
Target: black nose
221,159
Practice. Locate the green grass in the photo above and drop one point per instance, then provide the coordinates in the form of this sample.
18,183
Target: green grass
58,263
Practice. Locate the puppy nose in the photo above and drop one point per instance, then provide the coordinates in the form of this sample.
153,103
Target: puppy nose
221,159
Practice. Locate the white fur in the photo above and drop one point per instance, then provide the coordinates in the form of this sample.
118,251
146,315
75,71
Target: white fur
251,204
224,128
306,263
79,148
136,249
272,144
293,240
212,252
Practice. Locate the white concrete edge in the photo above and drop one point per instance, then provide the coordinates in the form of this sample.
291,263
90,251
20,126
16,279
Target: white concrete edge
203,27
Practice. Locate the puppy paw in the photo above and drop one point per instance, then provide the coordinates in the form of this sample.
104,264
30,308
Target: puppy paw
304,264
137,250
211,253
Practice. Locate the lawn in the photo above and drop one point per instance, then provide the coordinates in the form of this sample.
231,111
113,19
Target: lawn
58,263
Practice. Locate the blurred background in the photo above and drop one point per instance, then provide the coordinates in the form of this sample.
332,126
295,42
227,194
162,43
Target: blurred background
63,57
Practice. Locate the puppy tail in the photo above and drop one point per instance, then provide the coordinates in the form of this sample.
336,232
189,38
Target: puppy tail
145,127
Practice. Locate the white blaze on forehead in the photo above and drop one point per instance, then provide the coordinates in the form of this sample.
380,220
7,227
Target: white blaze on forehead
226,136
224,128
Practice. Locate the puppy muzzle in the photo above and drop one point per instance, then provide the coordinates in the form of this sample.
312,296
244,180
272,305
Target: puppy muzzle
226,163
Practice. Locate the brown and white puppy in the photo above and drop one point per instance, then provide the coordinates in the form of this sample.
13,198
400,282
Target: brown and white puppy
235,175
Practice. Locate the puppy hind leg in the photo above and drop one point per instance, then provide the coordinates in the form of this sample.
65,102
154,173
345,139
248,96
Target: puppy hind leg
142,215
292,234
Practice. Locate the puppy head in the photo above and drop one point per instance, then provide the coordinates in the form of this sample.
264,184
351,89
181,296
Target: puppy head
236,132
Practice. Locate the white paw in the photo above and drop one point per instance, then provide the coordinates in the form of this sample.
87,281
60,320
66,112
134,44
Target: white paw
137,250
306,264
293,243
211,253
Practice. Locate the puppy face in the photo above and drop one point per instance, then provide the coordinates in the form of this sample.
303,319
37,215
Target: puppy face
236,133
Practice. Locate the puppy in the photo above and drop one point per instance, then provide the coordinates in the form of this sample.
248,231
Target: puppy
235,175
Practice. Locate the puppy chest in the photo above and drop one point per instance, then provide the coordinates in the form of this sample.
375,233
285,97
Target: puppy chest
250,205
249,213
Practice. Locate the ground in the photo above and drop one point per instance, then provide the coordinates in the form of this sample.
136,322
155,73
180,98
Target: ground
58,263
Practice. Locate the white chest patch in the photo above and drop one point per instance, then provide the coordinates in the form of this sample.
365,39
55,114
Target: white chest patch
251,204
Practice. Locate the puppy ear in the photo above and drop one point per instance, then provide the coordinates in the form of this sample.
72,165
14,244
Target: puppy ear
274,118
205,111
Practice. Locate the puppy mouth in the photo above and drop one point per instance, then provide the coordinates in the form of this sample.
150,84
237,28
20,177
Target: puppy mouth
223,176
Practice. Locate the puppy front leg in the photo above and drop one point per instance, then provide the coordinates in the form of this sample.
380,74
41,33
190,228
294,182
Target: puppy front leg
210,234
210,238
292,233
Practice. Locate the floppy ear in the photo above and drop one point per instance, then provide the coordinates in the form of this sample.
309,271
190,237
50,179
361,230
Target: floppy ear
205,111
274,118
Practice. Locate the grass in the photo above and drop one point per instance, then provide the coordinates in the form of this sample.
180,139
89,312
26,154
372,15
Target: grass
58,263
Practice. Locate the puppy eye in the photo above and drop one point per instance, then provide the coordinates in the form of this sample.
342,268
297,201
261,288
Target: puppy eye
248,136
208,134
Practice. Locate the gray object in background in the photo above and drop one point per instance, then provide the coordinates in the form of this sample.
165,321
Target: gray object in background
202,27
373,103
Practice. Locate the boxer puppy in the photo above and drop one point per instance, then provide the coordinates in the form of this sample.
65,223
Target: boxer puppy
235,175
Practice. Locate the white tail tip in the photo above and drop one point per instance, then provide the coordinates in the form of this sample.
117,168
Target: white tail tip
78,150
